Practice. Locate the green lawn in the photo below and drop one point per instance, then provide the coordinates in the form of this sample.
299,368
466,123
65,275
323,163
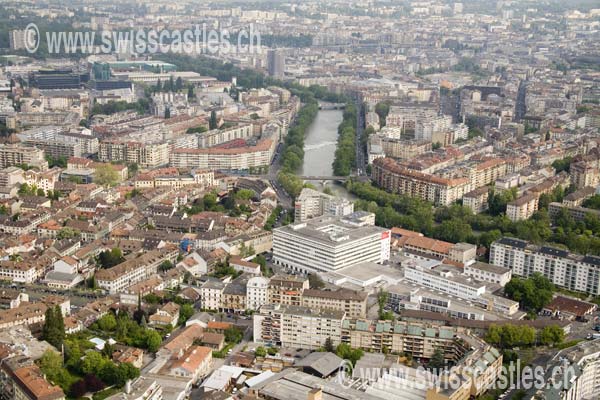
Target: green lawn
570,343
106,393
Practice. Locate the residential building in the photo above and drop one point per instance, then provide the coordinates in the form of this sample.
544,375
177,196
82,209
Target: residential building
25,381
580,367
477,200
287,289
12,155
166,315
145,155
422,247
211,294
418,339
294,326
244,266
389,175
257,292
276,63
522,208
353,303
563,268
311,203
143,388
227,159
127,273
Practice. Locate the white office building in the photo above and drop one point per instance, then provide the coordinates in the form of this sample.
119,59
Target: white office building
328,244
567,270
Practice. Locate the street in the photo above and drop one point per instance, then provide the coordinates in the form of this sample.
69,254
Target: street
361,164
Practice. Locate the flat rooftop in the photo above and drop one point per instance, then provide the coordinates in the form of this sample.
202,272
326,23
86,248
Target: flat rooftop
331,231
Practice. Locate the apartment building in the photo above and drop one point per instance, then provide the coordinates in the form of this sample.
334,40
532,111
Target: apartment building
127,273
59,142
477,200
297,327
22,379
578,213
409,115
327,244
353,303
404,149
19,272
577,198
426,128
257,292
25,314
580,367
145,155
312,203
565,269
486,172
287,289
219,136
211,294
12,155
523,207
204,178
420,340
11,176
389,175
228,159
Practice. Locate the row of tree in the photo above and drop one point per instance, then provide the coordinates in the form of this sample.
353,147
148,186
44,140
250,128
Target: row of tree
292,155
345,153
456,223
509,336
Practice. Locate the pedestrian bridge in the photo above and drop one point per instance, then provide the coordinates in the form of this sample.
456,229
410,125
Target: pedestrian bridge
331,106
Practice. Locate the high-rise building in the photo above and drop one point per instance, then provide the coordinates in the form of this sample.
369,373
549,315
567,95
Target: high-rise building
276,63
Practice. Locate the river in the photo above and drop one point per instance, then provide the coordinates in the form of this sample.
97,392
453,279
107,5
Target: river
319,149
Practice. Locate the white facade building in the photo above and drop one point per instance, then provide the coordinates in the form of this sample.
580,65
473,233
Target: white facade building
327,244
444,281
312,203
295,326
568,270
257,292
211,294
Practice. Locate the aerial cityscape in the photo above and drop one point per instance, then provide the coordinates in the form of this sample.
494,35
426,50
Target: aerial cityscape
300,200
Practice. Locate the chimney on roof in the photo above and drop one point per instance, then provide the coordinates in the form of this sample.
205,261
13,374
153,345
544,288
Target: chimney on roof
315,394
